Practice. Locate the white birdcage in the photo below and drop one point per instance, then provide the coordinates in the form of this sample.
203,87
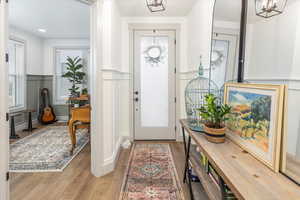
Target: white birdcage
195,93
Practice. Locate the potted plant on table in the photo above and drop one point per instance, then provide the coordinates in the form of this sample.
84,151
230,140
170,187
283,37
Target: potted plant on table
214,116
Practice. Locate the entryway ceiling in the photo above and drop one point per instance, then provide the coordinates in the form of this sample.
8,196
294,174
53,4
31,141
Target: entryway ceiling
61,18
133,8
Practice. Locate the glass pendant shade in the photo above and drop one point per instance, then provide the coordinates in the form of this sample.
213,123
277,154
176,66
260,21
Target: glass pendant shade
269,8
156,5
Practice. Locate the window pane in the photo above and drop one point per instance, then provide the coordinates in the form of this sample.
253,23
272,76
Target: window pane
12,91
154,82
16,74
12,60
20,72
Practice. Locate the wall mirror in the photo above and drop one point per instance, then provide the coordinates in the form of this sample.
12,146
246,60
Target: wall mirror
273,57
225,41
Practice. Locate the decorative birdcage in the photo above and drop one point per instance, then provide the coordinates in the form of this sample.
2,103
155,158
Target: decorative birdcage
195,93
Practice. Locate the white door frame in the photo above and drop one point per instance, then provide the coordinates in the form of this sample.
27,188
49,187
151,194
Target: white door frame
96,97
170,130
4,138
178,27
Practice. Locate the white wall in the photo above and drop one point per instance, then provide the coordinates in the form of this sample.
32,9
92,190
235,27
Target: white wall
199,25
40,51
34,49
113,92
48,51
273,56
199,30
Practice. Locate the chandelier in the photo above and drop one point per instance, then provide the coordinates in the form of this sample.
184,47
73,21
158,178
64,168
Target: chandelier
156,5
269,8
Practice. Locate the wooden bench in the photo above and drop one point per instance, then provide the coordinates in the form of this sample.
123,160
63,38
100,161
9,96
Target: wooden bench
12,116
247,177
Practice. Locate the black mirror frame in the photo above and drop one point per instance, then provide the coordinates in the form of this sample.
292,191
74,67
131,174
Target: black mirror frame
243,29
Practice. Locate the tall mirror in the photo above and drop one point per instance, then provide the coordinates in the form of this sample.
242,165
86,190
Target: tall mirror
273,57
225,41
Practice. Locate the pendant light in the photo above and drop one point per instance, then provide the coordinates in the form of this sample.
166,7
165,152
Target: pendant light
156,5
269,8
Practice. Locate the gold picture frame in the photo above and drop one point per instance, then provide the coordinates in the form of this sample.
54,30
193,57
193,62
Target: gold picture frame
257,119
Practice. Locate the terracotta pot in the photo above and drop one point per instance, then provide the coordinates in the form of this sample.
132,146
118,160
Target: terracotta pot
215,135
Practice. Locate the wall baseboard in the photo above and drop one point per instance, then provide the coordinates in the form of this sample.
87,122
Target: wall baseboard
110,163
62,118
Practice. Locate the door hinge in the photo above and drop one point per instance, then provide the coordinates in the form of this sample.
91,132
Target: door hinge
7,176
175,42
175,70
175,128
7,117
6,1
175,99
6,57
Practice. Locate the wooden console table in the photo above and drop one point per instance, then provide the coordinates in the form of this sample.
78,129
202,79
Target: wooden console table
246,177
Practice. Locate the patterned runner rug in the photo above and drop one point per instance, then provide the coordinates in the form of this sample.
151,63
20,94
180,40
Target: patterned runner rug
47,150
151,174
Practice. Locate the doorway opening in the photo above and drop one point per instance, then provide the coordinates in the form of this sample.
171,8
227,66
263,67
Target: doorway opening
49,89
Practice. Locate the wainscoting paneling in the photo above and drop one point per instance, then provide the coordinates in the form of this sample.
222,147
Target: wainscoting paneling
34,85
115,112
293,115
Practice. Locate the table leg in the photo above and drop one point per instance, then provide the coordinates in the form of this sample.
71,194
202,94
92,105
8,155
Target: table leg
13,134
190,188
187,156
184,140
72,136
30,127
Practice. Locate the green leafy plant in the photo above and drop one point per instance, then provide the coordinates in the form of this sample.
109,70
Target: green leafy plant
74,74
214,113
84,91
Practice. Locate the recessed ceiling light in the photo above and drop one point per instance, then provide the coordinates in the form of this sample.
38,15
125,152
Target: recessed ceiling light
42,30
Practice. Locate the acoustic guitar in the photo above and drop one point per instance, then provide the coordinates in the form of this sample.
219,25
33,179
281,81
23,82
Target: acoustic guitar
47,115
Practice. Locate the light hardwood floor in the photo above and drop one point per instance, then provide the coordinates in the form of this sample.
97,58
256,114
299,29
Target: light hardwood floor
77,182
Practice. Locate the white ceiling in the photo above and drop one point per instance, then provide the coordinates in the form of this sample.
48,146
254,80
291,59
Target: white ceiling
134,8
61,18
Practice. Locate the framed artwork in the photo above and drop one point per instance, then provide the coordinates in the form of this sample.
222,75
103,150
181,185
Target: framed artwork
256,122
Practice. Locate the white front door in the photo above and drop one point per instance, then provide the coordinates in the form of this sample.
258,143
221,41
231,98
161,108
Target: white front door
154,85
224,58
4,194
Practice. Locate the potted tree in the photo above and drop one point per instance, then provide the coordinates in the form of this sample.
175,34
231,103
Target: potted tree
75,75
214,116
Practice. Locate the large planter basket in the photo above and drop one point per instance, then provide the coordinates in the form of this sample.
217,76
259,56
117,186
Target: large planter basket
215,135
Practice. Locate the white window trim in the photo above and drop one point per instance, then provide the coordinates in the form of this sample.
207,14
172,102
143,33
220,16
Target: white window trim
55,100
24,107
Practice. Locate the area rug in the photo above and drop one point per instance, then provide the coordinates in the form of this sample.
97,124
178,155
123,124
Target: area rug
151,174
47,150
